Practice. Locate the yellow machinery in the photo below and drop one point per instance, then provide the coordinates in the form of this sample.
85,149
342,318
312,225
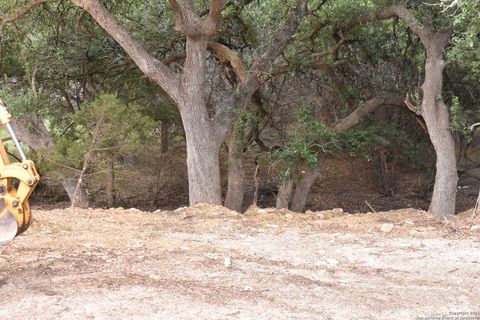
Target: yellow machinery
17,182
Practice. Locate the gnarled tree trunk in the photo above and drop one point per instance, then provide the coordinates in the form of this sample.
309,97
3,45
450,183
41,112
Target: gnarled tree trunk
203,164
284,193
432,109
436,116
203,142
302,188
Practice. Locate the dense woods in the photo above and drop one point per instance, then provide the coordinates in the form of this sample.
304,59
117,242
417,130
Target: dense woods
129,102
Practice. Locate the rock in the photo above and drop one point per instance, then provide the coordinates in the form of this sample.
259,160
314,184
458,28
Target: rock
227,262
337,211
409,222
332,262
273,226
309,212
475,227
386,227
289,216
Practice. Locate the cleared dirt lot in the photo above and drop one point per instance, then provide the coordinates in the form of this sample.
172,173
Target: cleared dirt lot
210,263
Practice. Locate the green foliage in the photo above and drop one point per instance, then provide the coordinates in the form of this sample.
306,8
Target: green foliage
313,139
310,138
106,126
458,120
466,42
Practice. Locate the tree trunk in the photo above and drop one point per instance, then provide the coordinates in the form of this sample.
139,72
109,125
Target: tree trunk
203,142
110,184
203,165
81,200
436,116
284,193
303,187
236,174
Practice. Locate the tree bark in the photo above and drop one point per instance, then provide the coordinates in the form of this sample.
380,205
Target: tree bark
203,142
203,164
436,116
236,174
284,193
302,189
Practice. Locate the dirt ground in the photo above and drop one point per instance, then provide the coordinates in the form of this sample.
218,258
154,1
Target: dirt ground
208,262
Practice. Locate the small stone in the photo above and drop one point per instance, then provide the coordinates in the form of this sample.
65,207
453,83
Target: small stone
386,227
332,262
409,222
247,288
320,216
475,227
227,262
289,216
309,212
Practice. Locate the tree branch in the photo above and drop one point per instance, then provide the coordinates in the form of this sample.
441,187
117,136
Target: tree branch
214,16
411,106
19,13
371,105
190,24
474,126
262,67
151,67
389,12
224,54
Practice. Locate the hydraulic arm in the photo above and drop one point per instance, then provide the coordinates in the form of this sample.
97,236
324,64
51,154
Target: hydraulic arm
17,182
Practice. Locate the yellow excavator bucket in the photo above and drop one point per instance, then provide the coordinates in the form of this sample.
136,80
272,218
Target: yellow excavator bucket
17,182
